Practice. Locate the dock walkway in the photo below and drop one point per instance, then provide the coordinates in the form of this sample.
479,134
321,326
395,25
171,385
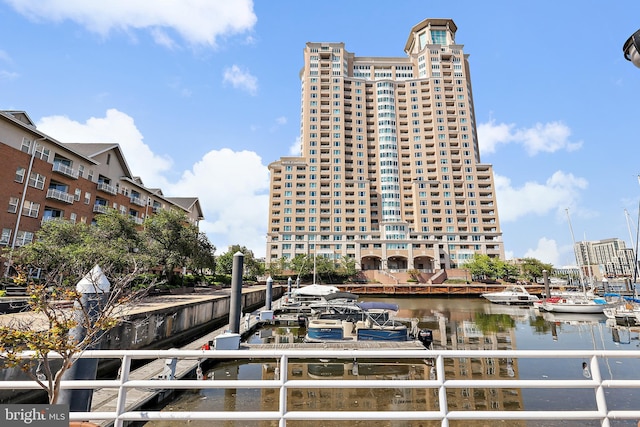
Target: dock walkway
105,400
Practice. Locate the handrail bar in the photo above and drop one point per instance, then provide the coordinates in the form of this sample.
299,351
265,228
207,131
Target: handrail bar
284,356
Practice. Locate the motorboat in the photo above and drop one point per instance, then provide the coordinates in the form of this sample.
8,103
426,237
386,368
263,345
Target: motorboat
336,330
339,304
511,295
626,313
363,321
301,299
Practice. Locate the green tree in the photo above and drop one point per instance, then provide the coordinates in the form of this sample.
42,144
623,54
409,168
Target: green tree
172,239
203,258
347,266
252,267
482,267
302,265
65,253
532,268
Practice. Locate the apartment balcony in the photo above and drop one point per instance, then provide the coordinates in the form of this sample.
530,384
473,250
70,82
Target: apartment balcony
65,170
100,208
54,194
138,201
136,219
107,188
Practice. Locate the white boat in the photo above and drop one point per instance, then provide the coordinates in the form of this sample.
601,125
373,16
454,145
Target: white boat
300,299
511,295
581,304
626,313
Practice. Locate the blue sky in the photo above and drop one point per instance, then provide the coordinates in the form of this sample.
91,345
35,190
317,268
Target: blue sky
202,95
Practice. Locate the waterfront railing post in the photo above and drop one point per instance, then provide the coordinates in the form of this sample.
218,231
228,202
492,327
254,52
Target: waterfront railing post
269,296
94,289
545,278
235,308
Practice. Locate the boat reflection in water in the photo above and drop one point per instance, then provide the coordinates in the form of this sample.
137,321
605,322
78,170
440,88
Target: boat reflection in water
457,323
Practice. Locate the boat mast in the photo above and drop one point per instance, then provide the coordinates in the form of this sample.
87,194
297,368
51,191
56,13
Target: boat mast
573,239
315,252
635,261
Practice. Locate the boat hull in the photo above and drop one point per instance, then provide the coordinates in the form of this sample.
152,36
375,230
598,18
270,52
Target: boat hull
573,308
371,334
512,295
511,300
325,330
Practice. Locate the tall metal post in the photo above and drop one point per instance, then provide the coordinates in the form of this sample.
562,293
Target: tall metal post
94,289
545,276
269,295
235,309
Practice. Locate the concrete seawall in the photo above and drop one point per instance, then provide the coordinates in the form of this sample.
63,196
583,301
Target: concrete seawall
160,322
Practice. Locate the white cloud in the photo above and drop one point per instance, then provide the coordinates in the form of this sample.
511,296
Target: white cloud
295,149
279,122
235,203
198,22
241,79
163,39
8,75
115,127
547,251
559,192
233,188
543,137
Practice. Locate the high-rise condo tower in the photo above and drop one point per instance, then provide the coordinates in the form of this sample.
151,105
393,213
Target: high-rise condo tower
389,172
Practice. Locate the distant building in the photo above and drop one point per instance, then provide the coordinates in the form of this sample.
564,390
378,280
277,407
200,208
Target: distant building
390,172
605,258
42,179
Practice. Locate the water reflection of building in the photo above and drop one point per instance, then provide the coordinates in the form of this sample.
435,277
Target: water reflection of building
358,399
480,331
465,331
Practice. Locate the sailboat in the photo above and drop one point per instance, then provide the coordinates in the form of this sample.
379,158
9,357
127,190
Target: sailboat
301,299
582,302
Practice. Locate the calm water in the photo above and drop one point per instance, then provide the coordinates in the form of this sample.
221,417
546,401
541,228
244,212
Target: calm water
457,324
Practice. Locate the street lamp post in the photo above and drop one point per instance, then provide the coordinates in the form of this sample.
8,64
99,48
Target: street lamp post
631,49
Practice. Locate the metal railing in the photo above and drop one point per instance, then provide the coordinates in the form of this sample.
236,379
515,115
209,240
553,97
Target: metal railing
283,384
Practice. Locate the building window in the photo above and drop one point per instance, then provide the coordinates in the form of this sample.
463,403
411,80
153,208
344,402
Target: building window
20,172
13,204
26,145
31,209
42,153
23,238
37,181
5,236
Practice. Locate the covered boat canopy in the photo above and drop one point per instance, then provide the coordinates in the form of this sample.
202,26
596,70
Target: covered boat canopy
340,295
315,290
375,305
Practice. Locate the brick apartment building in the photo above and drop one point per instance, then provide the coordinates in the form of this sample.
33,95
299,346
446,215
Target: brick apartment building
42,178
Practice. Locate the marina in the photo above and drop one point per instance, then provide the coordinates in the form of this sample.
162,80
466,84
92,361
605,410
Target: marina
457,324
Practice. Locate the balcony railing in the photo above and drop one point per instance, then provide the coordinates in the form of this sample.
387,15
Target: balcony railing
100,208
107,188
136,219
439,380
64,170
53,193
138,201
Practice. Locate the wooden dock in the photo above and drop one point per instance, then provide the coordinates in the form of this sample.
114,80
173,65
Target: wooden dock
347,345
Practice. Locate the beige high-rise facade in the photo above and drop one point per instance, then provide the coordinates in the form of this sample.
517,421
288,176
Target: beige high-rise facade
390,171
